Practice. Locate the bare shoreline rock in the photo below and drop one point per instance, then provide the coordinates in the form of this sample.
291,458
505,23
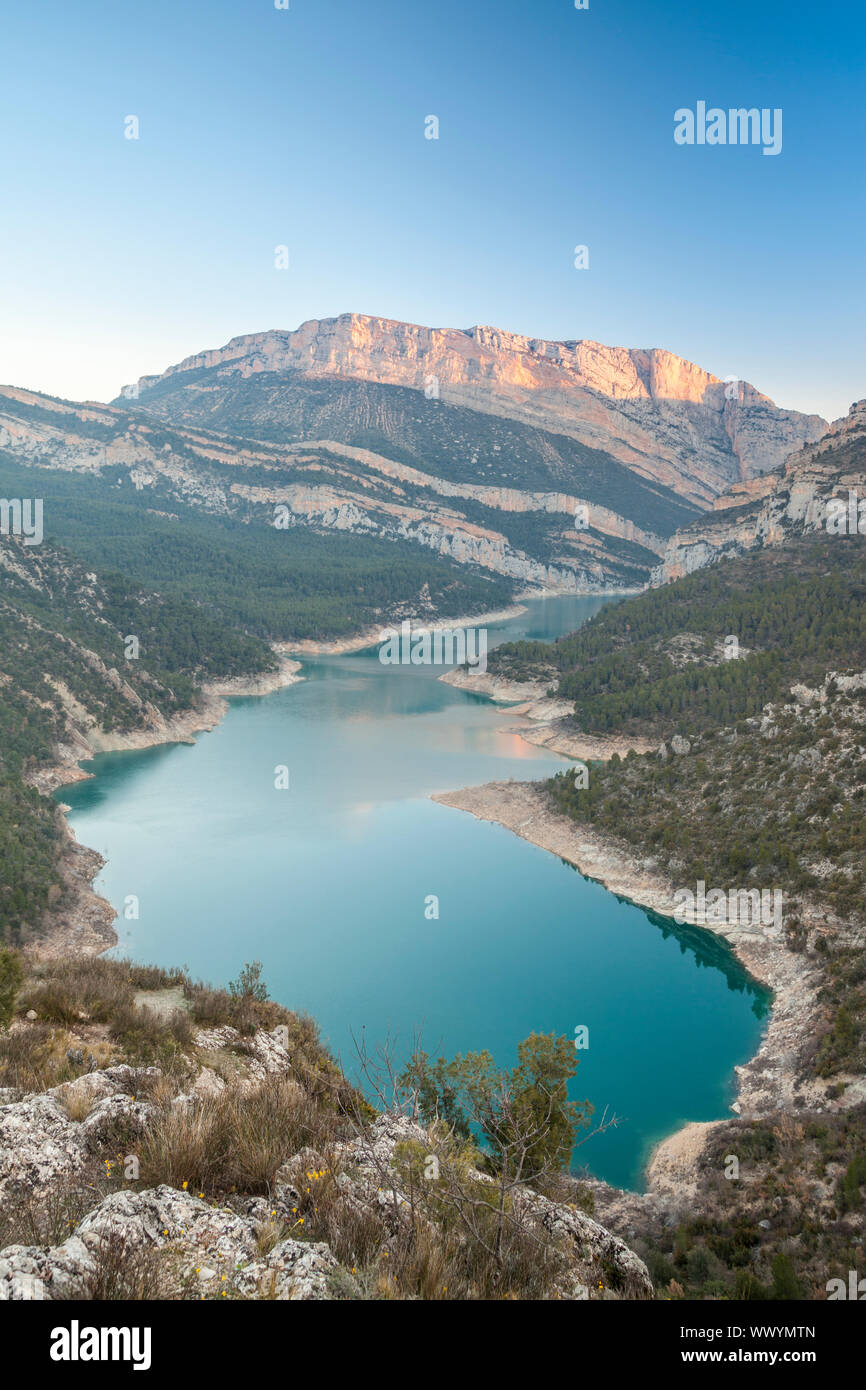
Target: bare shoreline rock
371,636
552,725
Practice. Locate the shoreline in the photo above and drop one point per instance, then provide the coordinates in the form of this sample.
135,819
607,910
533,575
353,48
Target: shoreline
550,714
559,736
372,636
769,1081
83,924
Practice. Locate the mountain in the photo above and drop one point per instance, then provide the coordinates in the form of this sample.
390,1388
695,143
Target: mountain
664,418
557,466
790,501
425,495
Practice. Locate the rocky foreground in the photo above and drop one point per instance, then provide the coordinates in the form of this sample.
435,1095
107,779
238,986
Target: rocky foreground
79,1159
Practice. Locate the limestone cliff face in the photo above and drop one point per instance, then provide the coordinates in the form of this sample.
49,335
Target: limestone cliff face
334,487
664,417
481,445
766,511
504,499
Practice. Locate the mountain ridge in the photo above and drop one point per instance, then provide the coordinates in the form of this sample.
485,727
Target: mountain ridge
653,410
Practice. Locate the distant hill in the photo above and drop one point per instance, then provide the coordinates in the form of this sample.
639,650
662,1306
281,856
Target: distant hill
422,496
192,514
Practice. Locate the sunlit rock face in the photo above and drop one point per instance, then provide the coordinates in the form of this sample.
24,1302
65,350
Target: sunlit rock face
666,418
482,446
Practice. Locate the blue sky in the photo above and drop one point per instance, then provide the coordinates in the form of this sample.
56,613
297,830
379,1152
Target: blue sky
305,127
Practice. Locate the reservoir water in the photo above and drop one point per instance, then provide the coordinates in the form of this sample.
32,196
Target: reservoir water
326,883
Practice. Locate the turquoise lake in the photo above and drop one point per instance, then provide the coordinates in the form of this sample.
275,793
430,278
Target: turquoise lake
326,882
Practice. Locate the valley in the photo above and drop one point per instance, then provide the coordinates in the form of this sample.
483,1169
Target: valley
250,527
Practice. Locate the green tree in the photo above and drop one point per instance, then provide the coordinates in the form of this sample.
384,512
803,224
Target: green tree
785,1282
747,1286
524,1115
249,984
11,978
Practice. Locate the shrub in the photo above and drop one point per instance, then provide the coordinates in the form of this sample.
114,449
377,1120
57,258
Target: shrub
249,984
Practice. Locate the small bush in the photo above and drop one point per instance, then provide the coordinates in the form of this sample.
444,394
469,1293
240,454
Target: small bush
126,1270
46,1218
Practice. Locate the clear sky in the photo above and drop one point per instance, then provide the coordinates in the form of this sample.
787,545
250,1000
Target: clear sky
305,127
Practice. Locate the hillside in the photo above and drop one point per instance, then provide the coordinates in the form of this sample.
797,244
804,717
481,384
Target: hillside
129,503
440,503
658,664
70,686
788,502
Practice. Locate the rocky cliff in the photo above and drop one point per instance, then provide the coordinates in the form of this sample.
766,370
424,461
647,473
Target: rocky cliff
790,501
590,528
667,419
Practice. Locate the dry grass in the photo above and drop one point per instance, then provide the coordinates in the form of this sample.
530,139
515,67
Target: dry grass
96,999
125,1270
237,1140
77,1103
70,990
147,1038
269,1234
35,1057
47,1218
